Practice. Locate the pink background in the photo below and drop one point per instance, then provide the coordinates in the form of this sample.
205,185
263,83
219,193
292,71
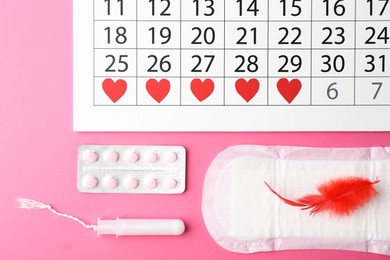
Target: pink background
38,156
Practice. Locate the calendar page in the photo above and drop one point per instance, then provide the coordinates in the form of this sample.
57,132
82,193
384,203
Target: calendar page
231,65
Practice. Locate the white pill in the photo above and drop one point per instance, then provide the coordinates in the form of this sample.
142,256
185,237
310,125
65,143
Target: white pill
132,182
90,156
110,182
171,157
151,157
111,156
170,183
150,182
90,182
131,156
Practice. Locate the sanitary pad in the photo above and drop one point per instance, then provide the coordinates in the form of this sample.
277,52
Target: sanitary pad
244,216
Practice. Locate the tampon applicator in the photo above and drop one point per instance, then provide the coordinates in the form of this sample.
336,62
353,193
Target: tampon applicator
140,227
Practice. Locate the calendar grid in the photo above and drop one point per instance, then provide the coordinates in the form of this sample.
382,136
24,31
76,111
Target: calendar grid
311,53
224,53
338,54
136,53
93,56
227,20
271,77
268,85
241,49
354,55
181,49
264,105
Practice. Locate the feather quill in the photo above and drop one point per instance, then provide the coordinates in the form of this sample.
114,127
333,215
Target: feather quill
340,197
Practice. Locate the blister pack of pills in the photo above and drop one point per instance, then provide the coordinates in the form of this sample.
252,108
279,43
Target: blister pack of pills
131,169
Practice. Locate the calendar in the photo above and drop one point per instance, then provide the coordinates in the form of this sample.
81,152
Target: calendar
231,65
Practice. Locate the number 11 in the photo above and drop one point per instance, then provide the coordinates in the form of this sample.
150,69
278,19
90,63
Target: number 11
109,6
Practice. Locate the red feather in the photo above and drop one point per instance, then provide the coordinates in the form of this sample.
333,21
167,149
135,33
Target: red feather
340,197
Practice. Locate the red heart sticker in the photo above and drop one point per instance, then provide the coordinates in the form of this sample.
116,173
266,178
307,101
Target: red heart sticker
114,90
247,89
289,89
202,89
158,90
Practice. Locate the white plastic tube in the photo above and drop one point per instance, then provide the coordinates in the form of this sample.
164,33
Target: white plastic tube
131,227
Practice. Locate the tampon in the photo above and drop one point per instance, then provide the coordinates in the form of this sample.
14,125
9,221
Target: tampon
118,227
130,227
